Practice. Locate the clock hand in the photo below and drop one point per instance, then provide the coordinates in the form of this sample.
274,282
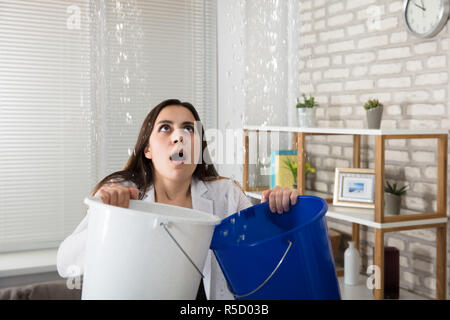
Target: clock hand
423,8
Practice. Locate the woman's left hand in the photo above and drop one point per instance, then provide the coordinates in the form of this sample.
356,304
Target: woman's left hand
280,198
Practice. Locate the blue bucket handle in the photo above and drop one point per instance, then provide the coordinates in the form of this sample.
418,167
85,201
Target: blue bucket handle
268,278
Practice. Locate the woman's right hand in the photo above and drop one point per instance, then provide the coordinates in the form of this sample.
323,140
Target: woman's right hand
116,195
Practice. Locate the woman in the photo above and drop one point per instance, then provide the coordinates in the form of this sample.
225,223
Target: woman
167,167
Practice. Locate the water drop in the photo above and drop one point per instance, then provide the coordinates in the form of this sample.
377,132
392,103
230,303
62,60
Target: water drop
129,118
131,151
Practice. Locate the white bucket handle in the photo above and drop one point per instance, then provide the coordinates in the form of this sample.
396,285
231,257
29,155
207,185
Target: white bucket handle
267,279
164,225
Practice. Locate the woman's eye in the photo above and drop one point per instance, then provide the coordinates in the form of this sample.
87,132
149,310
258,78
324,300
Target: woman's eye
189,128
164,127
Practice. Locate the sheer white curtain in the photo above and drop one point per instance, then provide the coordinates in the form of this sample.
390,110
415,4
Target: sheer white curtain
76,81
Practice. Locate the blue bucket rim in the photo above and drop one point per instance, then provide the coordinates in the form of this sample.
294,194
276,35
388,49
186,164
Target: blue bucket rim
285,234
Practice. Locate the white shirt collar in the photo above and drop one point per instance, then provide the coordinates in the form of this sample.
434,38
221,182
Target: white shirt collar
199,193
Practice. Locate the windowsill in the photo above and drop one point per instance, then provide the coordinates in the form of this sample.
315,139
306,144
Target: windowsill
27,262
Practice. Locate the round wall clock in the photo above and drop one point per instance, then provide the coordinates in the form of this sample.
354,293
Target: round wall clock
425,18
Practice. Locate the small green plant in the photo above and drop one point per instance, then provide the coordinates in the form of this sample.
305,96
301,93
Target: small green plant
393,189
292,166
372,103
307,102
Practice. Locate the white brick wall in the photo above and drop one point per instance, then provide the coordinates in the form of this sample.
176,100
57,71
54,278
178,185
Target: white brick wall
358,50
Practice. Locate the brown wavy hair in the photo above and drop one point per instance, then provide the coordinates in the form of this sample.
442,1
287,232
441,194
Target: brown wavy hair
140,169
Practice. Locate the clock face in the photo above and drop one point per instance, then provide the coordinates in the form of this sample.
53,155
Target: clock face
425,18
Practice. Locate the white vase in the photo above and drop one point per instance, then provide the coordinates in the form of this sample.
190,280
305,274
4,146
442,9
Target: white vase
352,264
306,117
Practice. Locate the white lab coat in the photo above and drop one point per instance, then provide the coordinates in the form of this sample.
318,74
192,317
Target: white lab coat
219,197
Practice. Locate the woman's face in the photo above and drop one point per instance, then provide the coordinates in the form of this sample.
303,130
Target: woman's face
173,143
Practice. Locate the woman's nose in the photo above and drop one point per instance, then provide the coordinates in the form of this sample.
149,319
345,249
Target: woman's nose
178,138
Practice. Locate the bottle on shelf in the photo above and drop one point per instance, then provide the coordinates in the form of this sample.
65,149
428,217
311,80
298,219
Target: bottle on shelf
352,264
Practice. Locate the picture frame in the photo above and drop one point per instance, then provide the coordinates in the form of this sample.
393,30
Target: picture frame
354,187
279,172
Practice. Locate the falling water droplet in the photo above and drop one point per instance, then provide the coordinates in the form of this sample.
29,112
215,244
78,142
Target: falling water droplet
129,118
131,151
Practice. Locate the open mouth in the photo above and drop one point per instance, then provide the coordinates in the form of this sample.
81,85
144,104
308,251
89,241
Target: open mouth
178,156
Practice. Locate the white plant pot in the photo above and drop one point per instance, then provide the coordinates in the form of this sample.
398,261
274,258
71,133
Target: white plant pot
306,117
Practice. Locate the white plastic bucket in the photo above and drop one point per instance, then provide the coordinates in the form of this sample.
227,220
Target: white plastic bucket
133,253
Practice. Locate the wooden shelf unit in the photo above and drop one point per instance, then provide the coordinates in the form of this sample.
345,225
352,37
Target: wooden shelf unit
374,218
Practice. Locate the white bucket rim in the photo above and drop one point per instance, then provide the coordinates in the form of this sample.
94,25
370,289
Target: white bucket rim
200,218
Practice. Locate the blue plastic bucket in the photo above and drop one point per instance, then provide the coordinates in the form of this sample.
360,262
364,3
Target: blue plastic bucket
266,256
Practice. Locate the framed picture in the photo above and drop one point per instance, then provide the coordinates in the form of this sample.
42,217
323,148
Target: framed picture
279,172
354,187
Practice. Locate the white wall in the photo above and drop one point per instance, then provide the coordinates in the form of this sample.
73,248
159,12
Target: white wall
355,50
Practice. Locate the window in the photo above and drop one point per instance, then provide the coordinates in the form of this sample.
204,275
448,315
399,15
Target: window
76,81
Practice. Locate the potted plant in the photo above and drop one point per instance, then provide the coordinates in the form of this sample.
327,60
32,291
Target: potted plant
306,112
293,165
374,112
392,198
